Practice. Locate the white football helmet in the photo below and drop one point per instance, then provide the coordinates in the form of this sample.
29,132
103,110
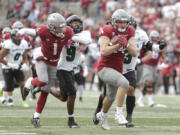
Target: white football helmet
154,36
17,25
5,30
120,15
56,21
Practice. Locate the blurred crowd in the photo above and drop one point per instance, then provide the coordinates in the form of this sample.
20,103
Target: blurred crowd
160,15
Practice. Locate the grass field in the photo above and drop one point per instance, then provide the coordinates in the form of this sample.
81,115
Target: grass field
149,121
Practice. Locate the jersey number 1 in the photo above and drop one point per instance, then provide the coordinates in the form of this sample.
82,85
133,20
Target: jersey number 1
54,48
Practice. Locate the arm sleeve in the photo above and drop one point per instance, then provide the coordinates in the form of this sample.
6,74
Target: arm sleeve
28,31
83,38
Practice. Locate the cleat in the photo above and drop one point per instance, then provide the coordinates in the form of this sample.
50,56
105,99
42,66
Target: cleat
34,90
80,99
95,120
151,104
3,100
10,102
120,119
130,124
25,104
72,123
25,92
129,119
103,119
35,122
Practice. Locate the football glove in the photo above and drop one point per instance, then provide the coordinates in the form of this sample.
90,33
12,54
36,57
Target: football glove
162,44
147,45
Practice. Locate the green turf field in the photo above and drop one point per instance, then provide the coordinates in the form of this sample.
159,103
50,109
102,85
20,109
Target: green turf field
149,121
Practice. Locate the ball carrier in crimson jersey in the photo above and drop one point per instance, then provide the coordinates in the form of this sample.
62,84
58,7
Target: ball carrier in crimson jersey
114,40
53,36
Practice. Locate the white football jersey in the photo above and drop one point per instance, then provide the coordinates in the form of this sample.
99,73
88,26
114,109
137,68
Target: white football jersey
70,56
129,61
15,52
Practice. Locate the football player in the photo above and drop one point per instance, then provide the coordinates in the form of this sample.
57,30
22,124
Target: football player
150,68
69,60
12,56
114,40
142,41
53,36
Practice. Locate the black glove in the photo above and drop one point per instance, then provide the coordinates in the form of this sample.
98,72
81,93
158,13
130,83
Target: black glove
147,45
162,44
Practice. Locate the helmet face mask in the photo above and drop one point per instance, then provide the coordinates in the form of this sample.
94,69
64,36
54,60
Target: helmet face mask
120,20
75,23
16,38
56,24
77,26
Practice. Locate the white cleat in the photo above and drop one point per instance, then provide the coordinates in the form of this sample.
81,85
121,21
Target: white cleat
3,100
140,104
28,84
151,103
103,119
10,102
120,119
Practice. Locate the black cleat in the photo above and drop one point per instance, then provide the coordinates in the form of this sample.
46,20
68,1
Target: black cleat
34,90
129,119
72,123
35,122
130,124
25,92
95,120
80,99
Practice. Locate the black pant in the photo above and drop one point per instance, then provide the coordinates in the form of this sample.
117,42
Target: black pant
166,84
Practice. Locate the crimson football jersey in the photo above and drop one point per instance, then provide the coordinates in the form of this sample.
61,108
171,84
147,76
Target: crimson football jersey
51,45
116,59
153,61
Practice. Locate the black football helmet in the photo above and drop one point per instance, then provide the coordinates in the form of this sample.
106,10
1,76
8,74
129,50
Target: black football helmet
133,22
77,28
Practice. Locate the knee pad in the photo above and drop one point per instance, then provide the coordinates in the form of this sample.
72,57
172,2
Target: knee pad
111,95
111,99
125,84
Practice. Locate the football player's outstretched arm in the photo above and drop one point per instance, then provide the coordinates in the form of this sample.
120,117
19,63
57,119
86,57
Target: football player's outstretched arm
28,31
132,50
105,47
83,38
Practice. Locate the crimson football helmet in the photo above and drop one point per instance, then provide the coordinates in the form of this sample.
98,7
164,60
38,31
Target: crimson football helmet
120,16
56,24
